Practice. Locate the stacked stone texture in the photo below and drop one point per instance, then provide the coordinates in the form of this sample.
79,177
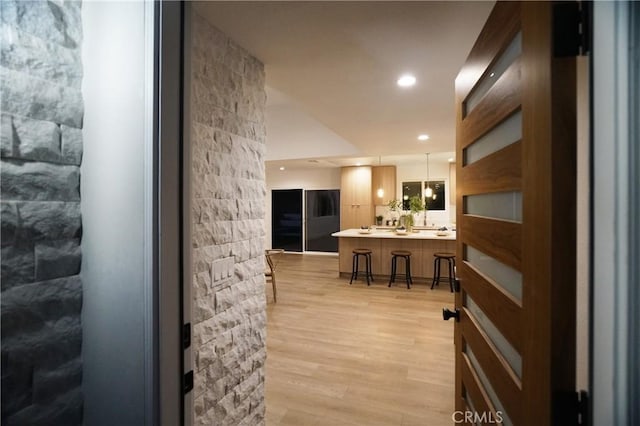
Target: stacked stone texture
228,199
41,151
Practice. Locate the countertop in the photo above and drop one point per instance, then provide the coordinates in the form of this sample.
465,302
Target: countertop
389,233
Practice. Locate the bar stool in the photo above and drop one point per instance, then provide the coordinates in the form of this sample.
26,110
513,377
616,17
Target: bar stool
366,253
406,255
451,260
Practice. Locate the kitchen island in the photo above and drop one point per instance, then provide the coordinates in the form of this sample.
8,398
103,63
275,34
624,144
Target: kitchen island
422,245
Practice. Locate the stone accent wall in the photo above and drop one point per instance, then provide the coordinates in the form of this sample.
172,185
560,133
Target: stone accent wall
41,151
228,199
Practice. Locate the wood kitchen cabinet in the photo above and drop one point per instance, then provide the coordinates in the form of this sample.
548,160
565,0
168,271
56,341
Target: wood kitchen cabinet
383,177
356,207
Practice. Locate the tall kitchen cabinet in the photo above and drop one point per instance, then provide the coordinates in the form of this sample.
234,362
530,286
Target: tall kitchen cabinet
355,197
383,177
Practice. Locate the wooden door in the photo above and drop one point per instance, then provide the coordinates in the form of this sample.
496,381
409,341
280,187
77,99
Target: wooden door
515,339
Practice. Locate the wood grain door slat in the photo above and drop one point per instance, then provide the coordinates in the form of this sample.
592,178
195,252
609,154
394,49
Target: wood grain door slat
504,382
499,239
489,45
474,389
503,99
500,171
501,308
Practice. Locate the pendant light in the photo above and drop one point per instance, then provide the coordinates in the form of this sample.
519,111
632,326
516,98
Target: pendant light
428,192
380,191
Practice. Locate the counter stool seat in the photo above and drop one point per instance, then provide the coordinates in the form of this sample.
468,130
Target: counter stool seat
406,255
451,261
366,253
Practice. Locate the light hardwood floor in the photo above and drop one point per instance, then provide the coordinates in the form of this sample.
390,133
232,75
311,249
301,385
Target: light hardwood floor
356,355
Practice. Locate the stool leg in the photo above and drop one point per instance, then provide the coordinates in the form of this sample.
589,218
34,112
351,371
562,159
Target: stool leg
410,275
353,268
367,267
392,277
370,267
451,278
394,271
273,285
435,269
407,271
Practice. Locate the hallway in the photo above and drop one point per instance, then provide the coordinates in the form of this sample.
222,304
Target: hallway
352,355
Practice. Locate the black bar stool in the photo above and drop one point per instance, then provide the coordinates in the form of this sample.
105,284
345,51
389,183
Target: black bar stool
406,255
451,260
367,261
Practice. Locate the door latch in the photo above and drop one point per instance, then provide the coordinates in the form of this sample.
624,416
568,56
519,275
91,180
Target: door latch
187,382
448,314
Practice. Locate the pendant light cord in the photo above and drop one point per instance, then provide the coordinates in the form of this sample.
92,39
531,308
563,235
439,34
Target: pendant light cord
428,170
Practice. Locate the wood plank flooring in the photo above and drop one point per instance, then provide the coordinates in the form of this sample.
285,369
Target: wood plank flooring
356,355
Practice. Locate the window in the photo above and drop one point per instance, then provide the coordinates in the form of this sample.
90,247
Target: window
436,201
411,189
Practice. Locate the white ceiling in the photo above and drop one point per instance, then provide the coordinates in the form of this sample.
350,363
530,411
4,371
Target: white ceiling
331,71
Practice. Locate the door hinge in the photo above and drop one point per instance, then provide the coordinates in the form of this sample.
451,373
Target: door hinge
582,406
187,382
186,335
571,28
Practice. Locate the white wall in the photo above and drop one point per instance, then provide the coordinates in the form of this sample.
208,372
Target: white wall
321,178
115,194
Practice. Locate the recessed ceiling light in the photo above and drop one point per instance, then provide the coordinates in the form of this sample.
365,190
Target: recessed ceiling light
451,160
282,168
406,80
423,137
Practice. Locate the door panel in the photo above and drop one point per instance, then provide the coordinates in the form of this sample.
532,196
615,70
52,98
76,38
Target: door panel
502,276
475,397
286,222
498,172
499,205
501,239
322,218
515,339
505,133
499,102
506,386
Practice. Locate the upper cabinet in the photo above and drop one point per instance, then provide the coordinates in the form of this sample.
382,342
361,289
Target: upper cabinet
355,197
356,186
383,177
